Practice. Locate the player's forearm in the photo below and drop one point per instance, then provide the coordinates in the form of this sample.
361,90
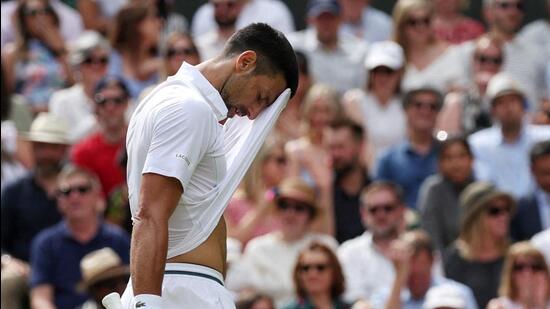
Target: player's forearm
148,255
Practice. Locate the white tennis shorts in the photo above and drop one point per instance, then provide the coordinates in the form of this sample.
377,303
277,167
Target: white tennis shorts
188,286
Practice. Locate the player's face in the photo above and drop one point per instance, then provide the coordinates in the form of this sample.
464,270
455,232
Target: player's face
246,93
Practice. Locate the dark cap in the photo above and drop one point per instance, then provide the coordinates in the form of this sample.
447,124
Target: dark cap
316,7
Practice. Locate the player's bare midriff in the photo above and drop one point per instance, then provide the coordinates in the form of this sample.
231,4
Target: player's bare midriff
211,253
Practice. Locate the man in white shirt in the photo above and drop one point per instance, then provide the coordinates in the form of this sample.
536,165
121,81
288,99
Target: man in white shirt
365,258
176,161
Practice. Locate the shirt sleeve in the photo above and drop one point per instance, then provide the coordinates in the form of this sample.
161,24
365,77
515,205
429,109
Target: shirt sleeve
179,140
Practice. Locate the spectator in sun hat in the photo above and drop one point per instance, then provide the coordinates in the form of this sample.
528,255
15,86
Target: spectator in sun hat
103,272
446,296
296,207
57,251
502,151
334,58
377,105
89,56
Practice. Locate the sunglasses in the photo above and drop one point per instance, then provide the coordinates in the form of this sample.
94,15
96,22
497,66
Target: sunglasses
534,267
432,106
488,59
98,60
36,12
102,101
509,5
284,205
81,189
494,211
383,71
385,208
418,22
305,268
181,52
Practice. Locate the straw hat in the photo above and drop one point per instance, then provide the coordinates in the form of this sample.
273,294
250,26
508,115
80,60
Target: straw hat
503,84
48,128
100,265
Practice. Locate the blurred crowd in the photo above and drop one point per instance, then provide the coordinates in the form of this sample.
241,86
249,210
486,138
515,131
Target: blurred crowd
410,170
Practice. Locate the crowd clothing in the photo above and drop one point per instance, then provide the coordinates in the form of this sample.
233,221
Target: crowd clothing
26,210
537,33
135,86
210,44
465,30
12,169
532,216
541,240
347,215
374,26
308,304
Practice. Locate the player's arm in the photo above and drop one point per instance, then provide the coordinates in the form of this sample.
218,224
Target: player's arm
159,196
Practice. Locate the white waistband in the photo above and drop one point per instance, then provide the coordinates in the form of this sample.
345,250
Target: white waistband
193,270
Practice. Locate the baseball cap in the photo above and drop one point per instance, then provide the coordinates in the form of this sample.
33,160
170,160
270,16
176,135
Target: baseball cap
48,128
444,296
503,84
84,45
316,7
386,53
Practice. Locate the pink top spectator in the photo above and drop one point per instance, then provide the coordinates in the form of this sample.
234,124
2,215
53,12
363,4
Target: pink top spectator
464,30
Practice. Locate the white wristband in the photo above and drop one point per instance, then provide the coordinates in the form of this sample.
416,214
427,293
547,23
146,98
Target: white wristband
148,301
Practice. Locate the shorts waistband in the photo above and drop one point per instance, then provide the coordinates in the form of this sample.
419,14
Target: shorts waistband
193,270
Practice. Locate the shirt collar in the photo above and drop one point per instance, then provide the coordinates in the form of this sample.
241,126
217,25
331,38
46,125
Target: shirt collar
212,96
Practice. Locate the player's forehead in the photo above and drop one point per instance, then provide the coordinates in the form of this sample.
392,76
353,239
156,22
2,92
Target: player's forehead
271,85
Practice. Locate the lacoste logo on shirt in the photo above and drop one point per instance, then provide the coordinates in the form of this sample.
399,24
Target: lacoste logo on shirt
182,156
140,304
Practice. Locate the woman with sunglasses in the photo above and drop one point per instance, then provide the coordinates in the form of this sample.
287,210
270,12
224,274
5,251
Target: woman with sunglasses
37,65
429,60
318,279
525,281
476,257
179,47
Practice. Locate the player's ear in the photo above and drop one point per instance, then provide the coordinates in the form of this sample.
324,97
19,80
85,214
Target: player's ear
246,62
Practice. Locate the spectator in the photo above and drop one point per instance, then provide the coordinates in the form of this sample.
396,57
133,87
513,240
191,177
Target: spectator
89,55
179,48
360,19
438,199
37,64
429,60
28,205
502,151
345,142
335,58
250,211
297,208
411,161
467,111
365,258
318,279
225,13
100,152
451,25
288,123
254,301
413,258
525,281
57,251
103,272
135,38
533,213
444,297
524,62
476,258
538,32
378,106
70,21
272,12
98,15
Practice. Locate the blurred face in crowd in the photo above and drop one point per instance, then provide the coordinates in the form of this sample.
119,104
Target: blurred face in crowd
226,12
78,198
541,172
508,110
455,163
327,25
420,273
344,149
38,16
422,112
294,215
315,272
505,15
321,114
150,27
94,66
384,80
110,107
529,274
417,26
274,168
488,57
48,157
179,50
497,217
382,212
352,10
